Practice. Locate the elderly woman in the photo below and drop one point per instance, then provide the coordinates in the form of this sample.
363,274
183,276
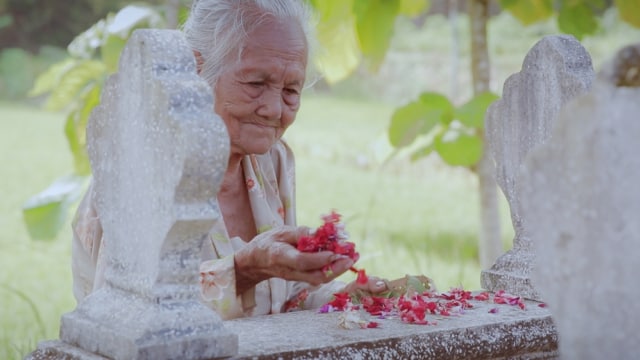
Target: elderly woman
254,54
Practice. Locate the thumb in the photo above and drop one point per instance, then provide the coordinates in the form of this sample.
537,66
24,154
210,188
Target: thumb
292,234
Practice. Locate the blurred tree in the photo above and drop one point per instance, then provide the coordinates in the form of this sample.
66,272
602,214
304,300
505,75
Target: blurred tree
75,84
355,31
38,22
30,24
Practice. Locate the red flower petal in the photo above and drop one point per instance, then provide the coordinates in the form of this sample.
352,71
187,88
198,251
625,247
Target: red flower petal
362,278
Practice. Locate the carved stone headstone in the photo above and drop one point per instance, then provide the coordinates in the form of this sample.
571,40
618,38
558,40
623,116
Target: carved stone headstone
582,195
158,153
556,70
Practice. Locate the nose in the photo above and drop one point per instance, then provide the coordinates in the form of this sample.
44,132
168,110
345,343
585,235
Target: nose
271,104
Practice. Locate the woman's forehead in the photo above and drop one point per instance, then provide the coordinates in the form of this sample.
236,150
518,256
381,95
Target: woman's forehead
276,36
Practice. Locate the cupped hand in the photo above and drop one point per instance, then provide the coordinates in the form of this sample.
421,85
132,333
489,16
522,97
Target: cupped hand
274,254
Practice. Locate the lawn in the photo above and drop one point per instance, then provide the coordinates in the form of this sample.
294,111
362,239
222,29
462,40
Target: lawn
405,218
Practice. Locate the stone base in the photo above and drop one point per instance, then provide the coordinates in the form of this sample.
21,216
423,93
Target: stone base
511,273
120,325
59,350
511,333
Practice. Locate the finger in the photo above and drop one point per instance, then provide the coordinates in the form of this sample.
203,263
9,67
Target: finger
315,277
376,285
338,267
291,234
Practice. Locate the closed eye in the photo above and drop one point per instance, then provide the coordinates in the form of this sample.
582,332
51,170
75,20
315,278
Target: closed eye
256,83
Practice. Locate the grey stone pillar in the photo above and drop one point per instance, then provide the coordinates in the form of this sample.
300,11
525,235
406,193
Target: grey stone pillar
582,195
555,70
158,154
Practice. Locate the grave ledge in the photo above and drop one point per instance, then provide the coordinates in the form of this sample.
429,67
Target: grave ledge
512,333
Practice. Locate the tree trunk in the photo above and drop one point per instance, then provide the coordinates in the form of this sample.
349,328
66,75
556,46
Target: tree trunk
490,242
455,47
173,9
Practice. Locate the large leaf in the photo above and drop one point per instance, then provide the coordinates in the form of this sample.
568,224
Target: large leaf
413,8
472,113
439,103
419,117
132,16
528,11
75,130
339,54
423,151
577,19
459,148
110,52
375,20
48,80
76,80
629,11
46,212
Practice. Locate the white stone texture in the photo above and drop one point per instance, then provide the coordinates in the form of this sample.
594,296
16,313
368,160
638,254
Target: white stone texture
582,195
556,70
478,333
158,153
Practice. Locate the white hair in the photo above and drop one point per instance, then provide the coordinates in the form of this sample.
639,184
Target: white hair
219,28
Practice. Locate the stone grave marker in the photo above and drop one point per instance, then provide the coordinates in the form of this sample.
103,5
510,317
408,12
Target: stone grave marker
554,71
158,153
582,195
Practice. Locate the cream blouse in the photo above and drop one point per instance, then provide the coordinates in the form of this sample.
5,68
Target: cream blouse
270,181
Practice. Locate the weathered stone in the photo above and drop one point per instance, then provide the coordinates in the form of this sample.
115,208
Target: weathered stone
511,333
158,153
555,70
582,198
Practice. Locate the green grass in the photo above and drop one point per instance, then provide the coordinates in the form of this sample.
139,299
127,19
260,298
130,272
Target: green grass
405,218
33,153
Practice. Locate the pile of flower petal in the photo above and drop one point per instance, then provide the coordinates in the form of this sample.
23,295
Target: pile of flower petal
412,306
331,236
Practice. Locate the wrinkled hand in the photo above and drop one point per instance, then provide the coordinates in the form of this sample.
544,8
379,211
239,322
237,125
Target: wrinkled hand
374,285
274,254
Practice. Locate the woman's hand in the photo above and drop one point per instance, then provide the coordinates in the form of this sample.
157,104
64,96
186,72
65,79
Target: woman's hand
274,254
374,285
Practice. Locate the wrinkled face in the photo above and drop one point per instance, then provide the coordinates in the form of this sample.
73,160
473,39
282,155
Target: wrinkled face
258,95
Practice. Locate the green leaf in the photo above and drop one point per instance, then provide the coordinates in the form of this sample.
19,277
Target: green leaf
75,130
110,52
48,80
418,117
458,148
415,284
339,54
528,11
423,151
440,103
629,11
472,113
375,20
74,82
577,19
45,213
413,8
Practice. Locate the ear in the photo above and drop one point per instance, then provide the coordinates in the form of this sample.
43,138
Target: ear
199,60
